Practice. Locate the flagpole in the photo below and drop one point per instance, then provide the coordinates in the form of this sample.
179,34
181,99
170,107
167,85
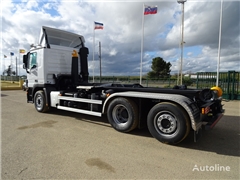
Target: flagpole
93,47
11,60
219,44
19,63
142,45
11,65
16,67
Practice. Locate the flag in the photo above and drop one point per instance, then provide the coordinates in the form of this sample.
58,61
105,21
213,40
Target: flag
150,10
21,50
98,25
11,53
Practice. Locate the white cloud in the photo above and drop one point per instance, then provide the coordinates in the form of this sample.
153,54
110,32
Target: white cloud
113,52
169,53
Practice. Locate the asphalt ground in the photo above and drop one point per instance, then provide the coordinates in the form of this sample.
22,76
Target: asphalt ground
65,145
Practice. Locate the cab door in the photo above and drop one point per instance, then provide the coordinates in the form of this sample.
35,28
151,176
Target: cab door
32,67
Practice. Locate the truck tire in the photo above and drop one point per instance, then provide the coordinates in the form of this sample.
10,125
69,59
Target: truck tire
40,102
168,123
122,114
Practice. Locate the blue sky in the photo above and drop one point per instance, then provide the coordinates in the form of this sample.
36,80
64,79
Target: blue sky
21,22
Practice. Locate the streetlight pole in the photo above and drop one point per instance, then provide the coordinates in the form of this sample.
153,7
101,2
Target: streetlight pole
219,44
182,41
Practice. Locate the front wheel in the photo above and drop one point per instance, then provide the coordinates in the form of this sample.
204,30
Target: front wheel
40,102
168,123
123,114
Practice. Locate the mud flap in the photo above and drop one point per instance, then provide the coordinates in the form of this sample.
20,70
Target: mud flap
197,134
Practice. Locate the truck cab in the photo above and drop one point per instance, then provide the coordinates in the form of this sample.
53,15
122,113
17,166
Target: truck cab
48,63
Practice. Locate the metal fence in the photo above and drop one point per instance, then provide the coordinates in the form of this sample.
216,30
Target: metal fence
10,78
167,82
228,81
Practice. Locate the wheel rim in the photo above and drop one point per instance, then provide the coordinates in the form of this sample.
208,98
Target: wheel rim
165,123
120,114
39,102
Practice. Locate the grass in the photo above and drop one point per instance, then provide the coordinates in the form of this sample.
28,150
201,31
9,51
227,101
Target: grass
11,85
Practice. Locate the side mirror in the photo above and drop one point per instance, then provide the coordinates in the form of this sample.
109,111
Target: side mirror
25,62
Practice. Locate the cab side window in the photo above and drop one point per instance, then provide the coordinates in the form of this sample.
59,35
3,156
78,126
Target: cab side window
33,60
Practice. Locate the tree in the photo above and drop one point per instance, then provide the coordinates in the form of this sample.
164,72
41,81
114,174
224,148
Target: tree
160,68
9,71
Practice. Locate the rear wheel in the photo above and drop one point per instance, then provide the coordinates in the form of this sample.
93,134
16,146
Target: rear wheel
122,114
168,123
40,102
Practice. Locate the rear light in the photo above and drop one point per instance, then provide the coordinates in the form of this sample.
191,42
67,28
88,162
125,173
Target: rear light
206,110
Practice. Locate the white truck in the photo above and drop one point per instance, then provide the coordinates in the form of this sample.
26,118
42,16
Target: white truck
57,77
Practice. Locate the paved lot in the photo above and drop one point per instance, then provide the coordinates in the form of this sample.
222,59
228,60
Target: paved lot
63,145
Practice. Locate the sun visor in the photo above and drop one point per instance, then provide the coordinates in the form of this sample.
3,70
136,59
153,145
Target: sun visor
51,36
